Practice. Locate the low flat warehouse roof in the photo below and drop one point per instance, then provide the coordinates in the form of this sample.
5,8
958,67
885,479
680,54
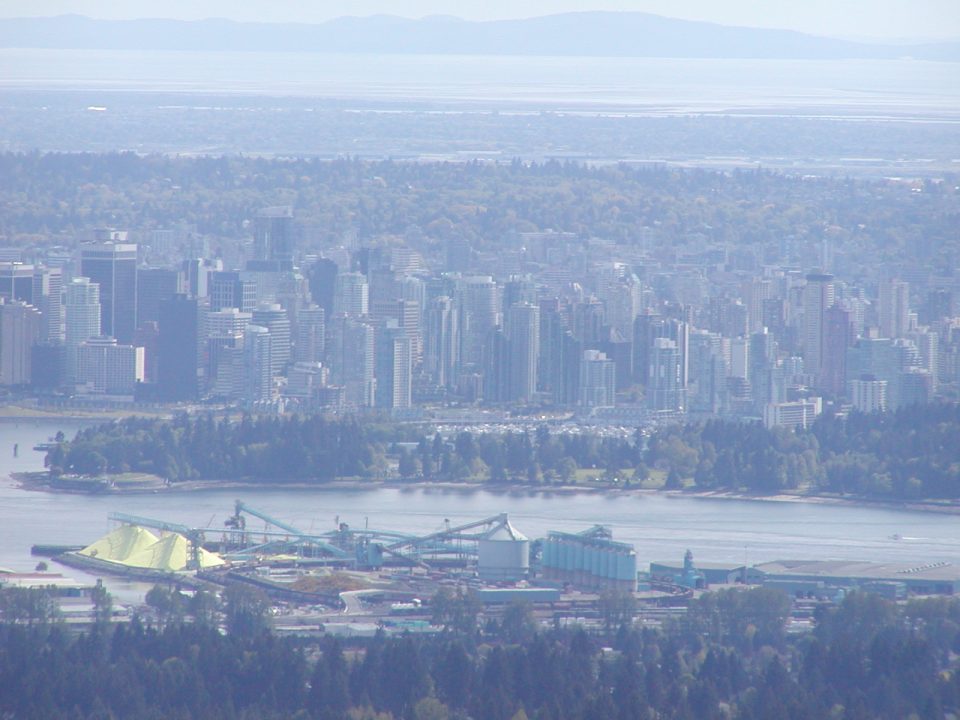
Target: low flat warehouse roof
938,577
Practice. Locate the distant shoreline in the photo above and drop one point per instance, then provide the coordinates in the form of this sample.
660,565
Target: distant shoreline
35,482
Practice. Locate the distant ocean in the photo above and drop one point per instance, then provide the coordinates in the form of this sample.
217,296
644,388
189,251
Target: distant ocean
901,89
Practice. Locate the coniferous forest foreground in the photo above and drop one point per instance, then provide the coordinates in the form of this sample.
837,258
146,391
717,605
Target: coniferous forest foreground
731,657
910,454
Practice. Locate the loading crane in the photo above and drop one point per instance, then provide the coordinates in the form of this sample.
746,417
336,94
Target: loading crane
238,522
440,542
241,507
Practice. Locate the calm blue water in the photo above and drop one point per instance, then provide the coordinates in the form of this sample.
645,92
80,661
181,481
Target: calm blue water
875,88
660,527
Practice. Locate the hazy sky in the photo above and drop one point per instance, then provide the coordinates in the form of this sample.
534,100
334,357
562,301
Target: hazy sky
843,18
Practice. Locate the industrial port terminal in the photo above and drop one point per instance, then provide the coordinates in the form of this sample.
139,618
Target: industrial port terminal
351,580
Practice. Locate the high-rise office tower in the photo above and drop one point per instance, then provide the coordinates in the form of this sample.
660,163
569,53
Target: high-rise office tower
589,323
384,291
275,319
113,266
753,293
147,337
818,295
647,328
224,351
178,349
938,305
196,273
20,325
622,301
257,364
878,359
869,395
293,292
519,290
41,287
351,295
441,341
231,290
550,372
154,287
413,288
322,276
523,336
408,319
894,308
837,337
765,377
48,299
708,371
105,366
273,235
82,311
311,335
394,368
496,367
571,363
597,380
480,314
928,345
739,358
664,390
16,281
227,322
350,355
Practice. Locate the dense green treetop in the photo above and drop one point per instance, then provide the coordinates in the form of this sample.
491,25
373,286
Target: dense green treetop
912,453
59,196
730,659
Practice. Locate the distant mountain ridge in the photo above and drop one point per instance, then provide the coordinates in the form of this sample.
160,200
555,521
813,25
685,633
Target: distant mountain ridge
605,34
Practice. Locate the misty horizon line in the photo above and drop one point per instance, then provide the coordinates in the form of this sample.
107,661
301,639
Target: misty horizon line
859,39
574,34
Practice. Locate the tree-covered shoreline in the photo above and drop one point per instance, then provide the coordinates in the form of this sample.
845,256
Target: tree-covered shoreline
907,455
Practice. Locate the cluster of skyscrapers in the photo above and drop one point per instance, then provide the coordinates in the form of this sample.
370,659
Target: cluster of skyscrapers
554,321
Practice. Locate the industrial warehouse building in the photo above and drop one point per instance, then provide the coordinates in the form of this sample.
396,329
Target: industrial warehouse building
936,578
819,576
590,559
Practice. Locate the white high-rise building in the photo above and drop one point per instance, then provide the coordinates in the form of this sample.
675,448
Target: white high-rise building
523,334
665,391
20,329
394,368
104,366
597,380
258,382
275,319
869,395
224,345
351,295
311,334
82,311
229,321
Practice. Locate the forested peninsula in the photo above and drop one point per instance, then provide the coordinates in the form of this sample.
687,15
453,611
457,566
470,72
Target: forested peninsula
910,454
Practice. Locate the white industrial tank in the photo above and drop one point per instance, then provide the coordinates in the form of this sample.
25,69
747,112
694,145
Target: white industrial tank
504,554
